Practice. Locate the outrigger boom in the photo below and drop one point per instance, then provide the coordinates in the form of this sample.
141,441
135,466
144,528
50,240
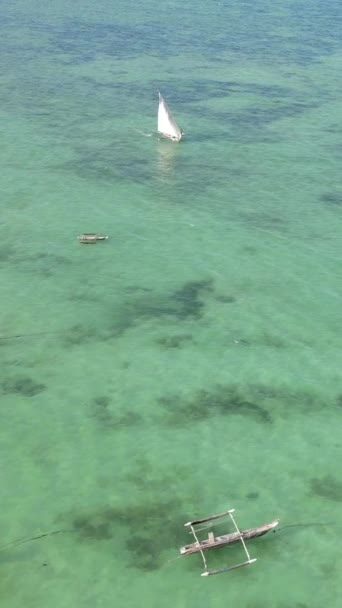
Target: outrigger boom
213,542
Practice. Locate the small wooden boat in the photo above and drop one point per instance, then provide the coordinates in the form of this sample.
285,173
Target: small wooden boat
213,542
91,238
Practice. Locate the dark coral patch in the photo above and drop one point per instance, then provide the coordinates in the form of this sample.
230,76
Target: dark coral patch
252,495
110,419
327,487
22,385
188,299
176,341
79,334
92,528
7,253
101,411
148,529
223,400
339,401
225,299
102,402
271,340
41,263
331,198
183,304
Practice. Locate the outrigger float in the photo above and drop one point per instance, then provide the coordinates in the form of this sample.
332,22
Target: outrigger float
91,238
213,542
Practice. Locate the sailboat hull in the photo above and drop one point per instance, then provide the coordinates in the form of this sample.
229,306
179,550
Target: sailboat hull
171,137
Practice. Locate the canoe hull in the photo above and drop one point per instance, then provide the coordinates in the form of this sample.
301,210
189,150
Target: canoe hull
213,542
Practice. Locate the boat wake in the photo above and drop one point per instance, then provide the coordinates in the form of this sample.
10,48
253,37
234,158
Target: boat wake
142,133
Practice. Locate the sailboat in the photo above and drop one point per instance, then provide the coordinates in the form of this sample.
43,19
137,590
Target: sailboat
167,125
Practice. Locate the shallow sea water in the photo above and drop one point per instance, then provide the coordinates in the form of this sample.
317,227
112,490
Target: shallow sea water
191,363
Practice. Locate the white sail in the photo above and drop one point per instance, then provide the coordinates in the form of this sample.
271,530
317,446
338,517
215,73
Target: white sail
167,125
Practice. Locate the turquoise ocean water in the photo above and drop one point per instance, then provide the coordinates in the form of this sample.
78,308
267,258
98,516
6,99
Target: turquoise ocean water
192,362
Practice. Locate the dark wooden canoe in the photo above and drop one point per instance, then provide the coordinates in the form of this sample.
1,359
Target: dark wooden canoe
213,542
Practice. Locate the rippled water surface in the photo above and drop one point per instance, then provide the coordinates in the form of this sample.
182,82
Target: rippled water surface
191,362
